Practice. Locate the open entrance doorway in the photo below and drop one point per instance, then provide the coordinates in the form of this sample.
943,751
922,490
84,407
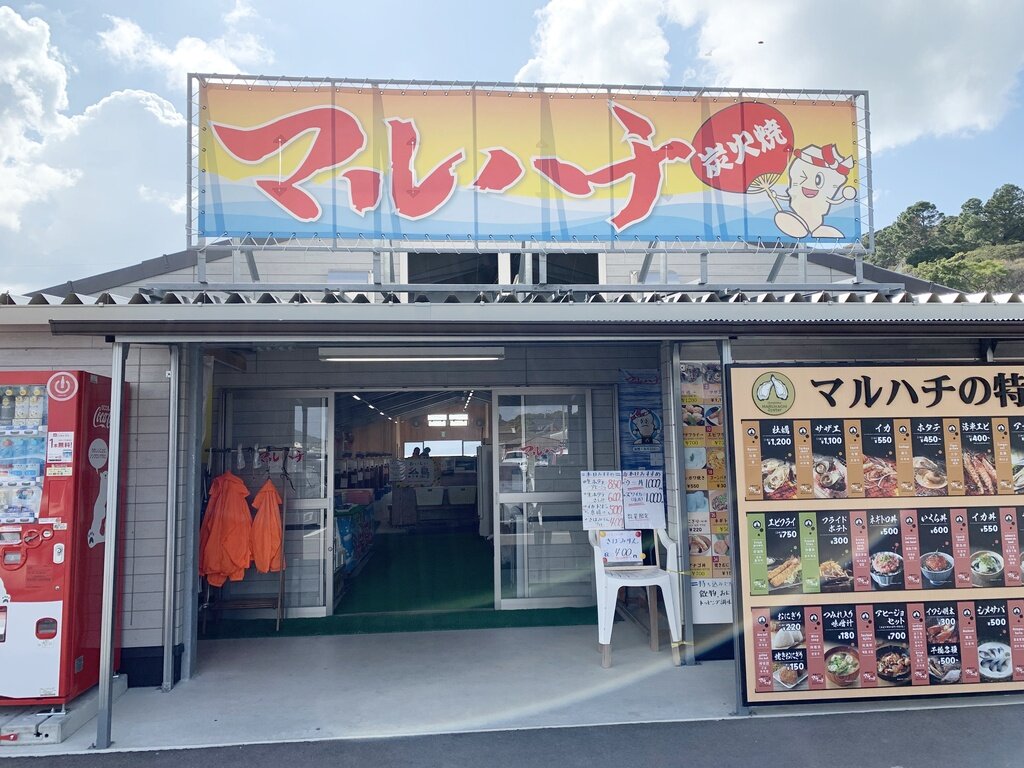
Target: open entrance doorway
413,542
410,509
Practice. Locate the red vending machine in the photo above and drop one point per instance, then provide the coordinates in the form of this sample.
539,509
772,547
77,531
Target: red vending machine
54,445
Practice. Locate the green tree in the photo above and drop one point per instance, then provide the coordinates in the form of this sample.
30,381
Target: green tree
1003,215
965,272
915,237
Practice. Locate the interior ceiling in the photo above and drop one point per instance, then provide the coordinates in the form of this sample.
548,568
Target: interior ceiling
406,404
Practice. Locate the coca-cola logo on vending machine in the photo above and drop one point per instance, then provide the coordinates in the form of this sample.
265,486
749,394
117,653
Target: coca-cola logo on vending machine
101,417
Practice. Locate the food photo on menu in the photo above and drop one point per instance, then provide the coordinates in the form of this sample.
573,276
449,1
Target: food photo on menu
929,460
986,541
782,547
892,649
778,462
943,640
835,563
995,658
842,659
936,548
829,474
879,458
978,456
885,549
789,652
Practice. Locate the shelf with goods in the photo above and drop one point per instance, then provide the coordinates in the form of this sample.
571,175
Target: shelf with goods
22,459
353,540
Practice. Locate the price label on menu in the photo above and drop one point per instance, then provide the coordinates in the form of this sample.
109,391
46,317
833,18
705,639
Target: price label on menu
643,498
1015,621
961,548
1011,546
761,638
854,458
601,500
757,554
968,642
803,448
905,466
860,552
910,538
1003,454
954,456
917,639
866,645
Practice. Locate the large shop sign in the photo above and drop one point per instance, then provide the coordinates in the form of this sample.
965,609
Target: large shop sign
471,164
880,529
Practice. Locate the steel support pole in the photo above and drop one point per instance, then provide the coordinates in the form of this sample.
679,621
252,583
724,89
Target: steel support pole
171,530
675,439
110,553
725,357
190,519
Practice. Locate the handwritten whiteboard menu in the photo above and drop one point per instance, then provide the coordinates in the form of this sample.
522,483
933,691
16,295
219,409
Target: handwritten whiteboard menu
621,547
643,498
602,500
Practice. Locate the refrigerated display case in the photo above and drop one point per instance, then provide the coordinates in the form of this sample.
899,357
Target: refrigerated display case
54,446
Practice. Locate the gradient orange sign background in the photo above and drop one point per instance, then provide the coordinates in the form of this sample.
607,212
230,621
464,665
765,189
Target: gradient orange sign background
522,164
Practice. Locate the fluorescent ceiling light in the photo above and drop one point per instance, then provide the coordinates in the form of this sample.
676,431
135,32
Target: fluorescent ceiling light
437,420
424,354
458,419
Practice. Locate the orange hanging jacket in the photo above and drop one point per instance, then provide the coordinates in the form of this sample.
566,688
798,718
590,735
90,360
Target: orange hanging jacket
224,548
267,536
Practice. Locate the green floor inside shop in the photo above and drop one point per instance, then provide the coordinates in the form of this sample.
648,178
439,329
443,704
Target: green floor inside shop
414,582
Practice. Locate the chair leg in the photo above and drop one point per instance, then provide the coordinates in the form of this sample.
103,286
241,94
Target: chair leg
652,616
606,655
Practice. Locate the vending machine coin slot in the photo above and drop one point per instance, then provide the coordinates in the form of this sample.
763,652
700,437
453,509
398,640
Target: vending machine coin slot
13,558
3,623
46,629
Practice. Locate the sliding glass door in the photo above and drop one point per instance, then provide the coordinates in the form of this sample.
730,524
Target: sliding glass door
542,443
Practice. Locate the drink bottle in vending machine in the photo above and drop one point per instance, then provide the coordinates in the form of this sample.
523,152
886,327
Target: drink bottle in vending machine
54,447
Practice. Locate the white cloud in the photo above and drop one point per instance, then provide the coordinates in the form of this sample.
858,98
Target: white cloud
237,50
174,203
33,96
65,180
933,67
598,41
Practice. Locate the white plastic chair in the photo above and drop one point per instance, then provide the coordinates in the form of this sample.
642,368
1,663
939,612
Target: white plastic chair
610,579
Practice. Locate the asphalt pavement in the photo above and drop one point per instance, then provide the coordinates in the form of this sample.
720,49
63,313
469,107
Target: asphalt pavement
984,735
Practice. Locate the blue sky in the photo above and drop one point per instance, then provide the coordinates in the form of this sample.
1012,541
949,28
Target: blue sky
92,94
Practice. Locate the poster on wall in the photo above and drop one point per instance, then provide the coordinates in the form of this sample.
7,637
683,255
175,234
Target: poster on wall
707,507
337,160
880,529
641,429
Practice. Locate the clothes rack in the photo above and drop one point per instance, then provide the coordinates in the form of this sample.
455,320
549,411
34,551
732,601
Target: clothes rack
214,603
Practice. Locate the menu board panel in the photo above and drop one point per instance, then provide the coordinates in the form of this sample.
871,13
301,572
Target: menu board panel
707,502
880,538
